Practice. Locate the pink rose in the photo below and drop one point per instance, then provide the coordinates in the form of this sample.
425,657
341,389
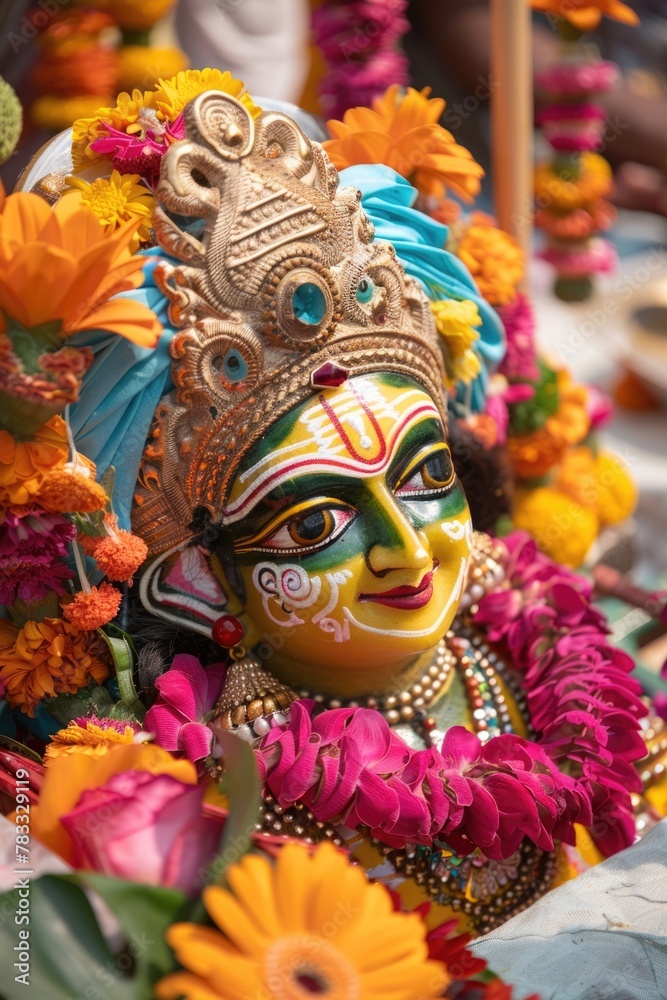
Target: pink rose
144,828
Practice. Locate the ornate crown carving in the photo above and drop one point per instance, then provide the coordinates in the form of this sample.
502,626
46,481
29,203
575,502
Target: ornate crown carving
272,255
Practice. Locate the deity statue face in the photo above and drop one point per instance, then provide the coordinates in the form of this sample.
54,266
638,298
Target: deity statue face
351,532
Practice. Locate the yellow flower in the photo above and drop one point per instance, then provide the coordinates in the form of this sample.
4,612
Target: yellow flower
456,322
616,490
56,113
138,63
171,96
58,264
124,116
402,131
567,191
587,14
308,924
90,739
494,259
47,658
561,527
120,199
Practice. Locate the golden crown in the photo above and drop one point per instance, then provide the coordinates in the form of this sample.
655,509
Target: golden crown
280,290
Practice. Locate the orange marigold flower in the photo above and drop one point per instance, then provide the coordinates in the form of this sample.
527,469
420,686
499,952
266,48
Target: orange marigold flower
93,737
48,658
536,453
25,464
567,190
587,14
93,608
402,131
120,554
494,259
69,492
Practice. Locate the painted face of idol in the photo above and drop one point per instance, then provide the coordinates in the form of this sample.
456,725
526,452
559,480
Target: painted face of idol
351,531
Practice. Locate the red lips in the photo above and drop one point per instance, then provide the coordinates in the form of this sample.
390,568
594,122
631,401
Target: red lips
405,598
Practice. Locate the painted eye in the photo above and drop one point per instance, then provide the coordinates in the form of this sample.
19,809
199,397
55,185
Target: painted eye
309,303
365,290
309,529
435,473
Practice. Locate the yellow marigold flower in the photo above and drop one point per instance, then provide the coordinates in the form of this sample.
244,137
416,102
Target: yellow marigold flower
58,264
120,199
456,322
138,63
94,738
56,113
565,193
67,492
47,658
575,477
561,527
616,489
125,116
402,131
171,96
587,14
275,936
494,259
91,609
25,464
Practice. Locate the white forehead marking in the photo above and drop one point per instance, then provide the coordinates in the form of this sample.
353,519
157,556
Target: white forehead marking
324,437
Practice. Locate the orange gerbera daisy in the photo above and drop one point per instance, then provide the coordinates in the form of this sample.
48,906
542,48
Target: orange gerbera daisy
47,658
58,266
280,934
402,131
586,15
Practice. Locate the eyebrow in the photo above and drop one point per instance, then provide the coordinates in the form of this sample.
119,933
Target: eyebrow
267,488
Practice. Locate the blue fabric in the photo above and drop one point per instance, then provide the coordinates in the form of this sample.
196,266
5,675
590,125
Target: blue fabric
121,391
387,198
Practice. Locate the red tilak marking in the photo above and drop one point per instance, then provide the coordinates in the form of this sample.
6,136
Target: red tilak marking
344,436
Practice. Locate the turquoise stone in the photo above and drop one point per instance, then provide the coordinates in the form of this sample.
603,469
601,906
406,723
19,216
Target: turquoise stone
309,304
365,290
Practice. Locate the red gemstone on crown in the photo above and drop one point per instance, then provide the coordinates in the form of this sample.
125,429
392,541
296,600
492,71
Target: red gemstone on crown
227,631
329,376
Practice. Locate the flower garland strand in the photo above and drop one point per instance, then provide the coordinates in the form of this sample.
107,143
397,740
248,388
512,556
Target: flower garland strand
347,766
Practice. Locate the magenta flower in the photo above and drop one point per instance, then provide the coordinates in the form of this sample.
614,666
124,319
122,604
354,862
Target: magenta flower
144,828
599,407
33,544
139,154
520,361
187,692
349,767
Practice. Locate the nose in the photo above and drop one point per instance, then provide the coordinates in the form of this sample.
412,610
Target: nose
395,543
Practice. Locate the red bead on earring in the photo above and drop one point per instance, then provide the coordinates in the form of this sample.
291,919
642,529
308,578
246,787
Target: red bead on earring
227,631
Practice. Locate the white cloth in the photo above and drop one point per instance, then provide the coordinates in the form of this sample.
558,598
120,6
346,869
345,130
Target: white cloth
262,42
602,936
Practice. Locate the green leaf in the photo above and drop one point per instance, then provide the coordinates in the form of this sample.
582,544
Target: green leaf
144,913
68,954
240,784
91,700
36,611
123,659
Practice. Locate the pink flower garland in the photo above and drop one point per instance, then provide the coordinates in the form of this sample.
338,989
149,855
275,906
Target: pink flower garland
349,767
581,700
360,43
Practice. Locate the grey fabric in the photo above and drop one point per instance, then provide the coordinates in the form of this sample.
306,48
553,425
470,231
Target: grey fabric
602,936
